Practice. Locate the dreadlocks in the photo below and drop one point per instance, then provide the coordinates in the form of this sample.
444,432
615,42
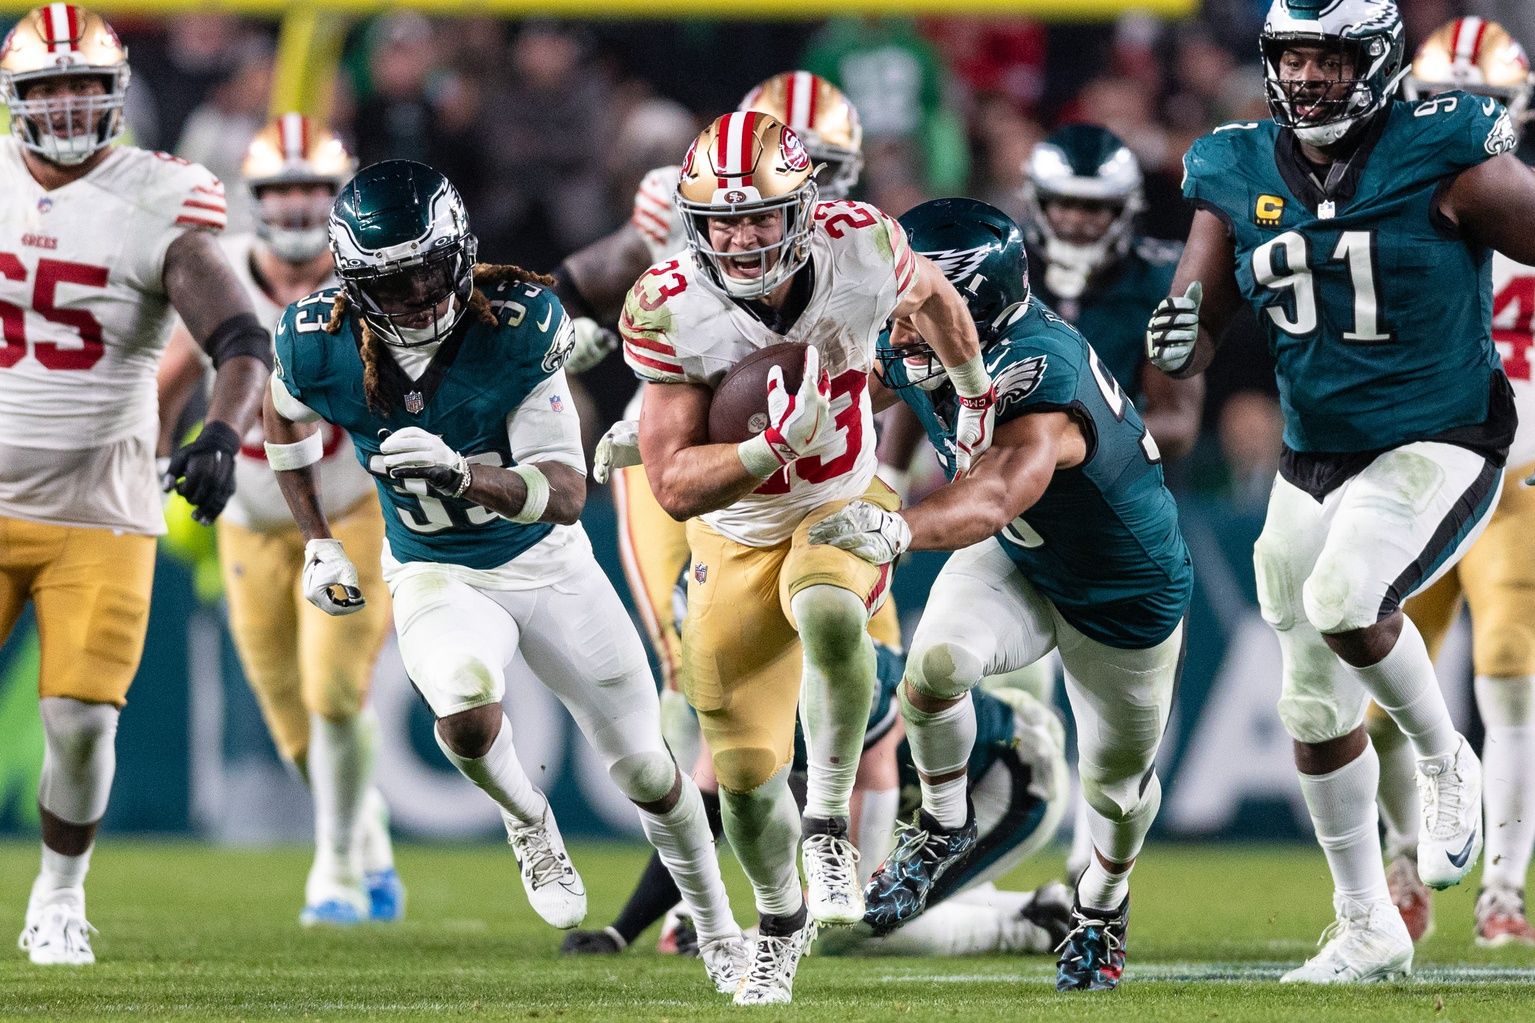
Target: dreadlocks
486,275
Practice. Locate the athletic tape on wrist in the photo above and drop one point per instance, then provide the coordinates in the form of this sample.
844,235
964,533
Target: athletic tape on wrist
538,494
286,457
758,457
970,378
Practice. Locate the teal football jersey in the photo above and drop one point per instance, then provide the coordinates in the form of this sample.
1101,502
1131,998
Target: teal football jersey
1103,542
479,375
1112,313
1377,313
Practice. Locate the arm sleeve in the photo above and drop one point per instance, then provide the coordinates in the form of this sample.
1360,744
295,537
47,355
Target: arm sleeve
545,426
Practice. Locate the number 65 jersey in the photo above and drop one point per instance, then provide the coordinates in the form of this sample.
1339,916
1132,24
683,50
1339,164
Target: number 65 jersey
85,317
1376,310
678,327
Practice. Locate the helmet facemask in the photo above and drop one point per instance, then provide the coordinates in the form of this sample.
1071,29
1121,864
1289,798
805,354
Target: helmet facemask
67,129
394,295
775,262
295,226
1369,58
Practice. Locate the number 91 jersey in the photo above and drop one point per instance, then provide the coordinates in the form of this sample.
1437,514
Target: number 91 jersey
1376,311
82,300
678,327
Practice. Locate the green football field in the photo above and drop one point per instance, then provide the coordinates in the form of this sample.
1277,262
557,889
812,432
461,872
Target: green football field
194,933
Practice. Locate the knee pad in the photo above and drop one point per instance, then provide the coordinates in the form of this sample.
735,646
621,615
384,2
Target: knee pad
1320,717
1340,595
832,621
1116,799
459,682
644,777
744,768
944,670
79,758
1278,594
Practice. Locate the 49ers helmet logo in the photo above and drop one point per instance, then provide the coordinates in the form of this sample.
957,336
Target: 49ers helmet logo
687,161
735,195
794,155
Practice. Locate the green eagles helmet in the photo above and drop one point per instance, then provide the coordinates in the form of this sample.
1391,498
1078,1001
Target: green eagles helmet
980,250
1365,34
1086,164
403,251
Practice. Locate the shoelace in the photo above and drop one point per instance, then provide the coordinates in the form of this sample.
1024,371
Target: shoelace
75,929
836,859
538,857
1081,927
770,950
720,953
909,840
1441,800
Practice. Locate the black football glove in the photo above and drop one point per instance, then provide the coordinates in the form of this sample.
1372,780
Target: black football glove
203,471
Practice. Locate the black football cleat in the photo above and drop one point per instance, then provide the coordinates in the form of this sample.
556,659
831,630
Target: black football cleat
924,852
1093,952
605,942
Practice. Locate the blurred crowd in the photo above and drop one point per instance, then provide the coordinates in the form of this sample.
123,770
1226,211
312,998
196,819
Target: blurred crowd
546,127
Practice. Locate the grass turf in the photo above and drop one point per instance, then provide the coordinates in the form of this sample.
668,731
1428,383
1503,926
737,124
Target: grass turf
197,933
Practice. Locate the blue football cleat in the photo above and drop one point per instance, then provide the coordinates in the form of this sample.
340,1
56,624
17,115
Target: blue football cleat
901,885
330,913
386,896
1093,954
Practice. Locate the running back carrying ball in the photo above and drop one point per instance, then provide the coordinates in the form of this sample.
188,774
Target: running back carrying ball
739,410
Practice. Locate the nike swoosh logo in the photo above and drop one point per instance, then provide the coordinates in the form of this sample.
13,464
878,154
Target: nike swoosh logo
1488,106
1459,859
548,315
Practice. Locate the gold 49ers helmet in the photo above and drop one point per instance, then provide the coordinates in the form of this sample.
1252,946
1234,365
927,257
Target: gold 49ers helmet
824,120
1478,56
294,150
57,41
748,164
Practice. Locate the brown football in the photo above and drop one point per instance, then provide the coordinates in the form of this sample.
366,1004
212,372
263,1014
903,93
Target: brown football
739,409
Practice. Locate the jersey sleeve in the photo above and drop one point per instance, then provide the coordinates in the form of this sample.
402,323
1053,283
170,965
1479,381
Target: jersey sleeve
646,325
300,346
655,215
1212,168
178,196
545,426
873,250
1457,130
1038,372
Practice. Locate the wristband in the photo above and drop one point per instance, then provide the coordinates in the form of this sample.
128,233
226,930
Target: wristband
970,378
538,494
758,456
287,457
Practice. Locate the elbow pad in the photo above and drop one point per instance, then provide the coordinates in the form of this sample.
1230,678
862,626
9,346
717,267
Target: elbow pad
241,334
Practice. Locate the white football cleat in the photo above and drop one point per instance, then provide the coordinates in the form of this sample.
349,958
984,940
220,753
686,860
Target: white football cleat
334,903
1450,792
770,972
1367,942
725,961
554,888
57,934
833,894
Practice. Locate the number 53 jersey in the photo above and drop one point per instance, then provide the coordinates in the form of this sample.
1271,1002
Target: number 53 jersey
1377,311
83,319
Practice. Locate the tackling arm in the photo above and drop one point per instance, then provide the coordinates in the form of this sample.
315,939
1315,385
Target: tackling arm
689,475
595,279
1494,203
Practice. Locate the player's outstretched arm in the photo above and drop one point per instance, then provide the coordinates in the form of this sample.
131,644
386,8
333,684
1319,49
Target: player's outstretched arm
688,475
1172,411
1494,203
1209,259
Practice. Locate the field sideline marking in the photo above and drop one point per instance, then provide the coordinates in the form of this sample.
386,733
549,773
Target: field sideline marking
1218,972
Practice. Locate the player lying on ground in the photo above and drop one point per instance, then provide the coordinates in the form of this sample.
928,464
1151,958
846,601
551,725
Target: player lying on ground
447,377
1066,538
1357,227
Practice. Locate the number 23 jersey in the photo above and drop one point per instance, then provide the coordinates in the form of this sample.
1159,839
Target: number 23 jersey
1376,309
678,327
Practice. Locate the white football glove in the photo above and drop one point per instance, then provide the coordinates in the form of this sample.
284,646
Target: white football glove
799,424
415,454
974,424
592,345
865,530
1173,329
618,448
330,578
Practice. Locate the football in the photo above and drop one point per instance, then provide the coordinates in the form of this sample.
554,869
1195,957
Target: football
739,409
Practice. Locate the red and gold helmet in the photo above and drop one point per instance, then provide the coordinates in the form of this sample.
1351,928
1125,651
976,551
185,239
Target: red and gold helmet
823,118
64,41
748,164
1478,56
295,151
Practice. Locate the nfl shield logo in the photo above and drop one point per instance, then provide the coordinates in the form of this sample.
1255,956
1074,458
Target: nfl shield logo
413,403
700,572
44,204
556,403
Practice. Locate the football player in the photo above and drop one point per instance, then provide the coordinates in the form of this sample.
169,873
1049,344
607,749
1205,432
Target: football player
446,375
1067,539
1495,576
100,246
310,672
767,263
1082,187
1356,226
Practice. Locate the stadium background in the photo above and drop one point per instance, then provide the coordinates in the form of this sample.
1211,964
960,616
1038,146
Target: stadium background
546,126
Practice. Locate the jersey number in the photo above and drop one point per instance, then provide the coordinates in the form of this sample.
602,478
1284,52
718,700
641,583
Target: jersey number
849,420
431,515
13,319
851,214
1280,264
1114,398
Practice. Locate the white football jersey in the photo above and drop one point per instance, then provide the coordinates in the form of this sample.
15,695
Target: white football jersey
655,214
86,316
1513,331
257,501
678,327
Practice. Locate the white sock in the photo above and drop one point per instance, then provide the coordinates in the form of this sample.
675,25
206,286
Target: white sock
501,777
948,929
941,744
1398,793
1101,888
340,766
1508,777
681,837
1404,684
1120,840
1343,815
763,826
876,829
836,695
60,873
374,846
